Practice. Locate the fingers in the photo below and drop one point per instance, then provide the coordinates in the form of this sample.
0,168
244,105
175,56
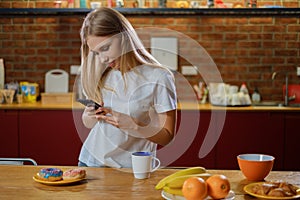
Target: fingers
108,119
103,111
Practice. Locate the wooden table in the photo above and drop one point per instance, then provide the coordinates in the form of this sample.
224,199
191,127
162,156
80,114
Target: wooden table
16,182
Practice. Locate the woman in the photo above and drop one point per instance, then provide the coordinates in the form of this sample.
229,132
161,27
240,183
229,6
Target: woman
137,94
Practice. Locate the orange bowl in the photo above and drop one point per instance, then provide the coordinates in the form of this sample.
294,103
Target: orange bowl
255,167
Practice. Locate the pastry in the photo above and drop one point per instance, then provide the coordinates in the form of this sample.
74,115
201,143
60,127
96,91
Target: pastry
76,173
50,174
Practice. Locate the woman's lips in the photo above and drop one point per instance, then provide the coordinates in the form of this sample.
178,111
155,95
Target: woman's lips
111,64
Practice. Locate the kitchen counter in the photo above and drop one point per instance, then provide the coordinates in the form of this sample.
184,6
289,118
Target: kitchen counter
107,183
26,122
181,106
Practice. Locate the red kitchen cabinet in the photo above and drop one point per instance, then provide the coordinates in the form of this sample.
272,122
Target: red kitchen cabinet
192,126
49,136
250,132
55,137
9,140
292,139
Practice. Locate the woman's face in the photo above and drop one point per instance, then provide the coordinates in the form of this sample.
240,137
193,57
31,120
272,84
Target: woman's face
106,48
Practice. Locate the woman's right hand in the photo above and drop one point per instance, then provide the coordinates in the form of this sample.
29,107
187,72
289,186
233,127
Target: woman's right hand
89,117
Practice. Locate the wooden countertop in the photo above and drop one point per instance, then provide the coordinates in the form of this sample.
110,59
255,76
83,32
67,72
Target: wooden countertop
16,182
181,106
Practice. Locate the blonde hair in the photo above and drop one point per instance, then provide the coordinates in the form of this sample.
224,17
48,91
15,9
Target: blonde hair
108,22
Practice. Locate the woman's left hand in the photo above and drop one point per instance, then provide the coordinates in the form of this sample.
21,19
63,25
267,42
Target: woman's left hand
115,118
134,126
160,128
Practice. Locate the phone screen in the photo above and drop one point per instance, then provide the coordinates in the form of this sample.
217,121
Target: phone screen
88,102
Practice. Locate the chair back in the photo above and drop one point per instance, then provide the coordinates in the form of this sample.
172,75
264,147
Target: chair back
16,161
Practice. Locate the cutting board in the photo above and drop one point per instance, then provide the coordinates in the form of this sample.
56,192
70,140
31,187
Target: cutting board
56,81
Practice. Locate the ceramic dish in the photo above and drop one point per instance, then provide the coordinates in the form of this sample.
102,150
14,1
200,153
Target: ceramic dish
62,182
248,189
168,196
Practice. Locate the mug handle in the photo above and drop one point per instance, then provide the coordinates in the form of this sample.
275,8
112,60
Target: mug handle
158,164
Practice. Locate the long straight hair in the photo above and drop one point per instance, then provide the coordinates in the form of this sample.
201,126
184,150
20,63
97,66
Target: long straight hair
108,22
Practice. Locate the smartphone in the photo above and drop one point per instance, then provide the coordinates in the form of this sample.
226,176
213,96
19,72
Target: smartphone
88,102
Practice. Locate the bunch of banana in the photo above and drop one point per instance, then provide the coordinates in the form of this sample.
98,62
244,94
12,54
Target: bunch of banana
173,183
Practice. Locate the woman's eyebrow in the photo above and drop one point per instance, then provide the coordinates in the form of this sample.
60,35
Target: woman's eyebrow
94,52
103,45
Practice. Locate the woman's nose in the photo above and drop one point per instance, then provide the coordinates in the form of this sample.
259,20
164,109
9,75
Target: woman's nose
103,59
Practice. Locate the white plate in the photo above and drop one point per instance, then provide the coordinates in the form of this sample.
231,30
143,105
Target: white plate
168,196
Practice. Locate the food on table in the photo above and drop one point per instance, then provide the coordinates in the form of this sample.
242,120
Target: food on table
194,188
50,174
76,173
218,186
275,189
194,183
177,182
174,191
183,172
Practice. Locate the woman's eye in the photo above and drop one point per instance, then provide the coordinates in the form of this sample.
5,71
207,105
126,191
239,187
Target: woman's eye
105,48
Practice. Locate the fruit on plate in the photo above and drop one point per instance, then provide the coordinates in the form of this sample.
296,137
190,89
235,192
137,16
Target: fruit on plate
194,188
188,171
177,182
218,186
174,191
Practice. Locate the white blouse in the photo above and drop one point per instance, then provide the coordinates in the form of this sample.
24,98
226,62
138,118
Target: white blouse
140,90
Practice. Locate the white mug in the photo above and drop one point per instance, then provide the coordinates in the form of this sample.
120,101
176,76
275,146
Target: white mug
143,163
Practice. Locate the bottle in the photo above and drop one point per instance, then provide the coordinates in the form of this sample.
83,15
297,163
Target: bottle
70,3
210,3
244,89
253,3
119,3
109,3
256,96
2,75
83,4
162,3
76,3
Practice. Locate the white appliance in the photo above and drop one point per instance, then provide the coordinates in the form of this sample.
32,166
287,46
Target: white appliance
165,50
56,81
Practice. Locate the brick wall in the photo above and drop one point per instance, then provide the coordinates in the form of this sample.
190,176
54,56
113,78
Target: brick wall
245,49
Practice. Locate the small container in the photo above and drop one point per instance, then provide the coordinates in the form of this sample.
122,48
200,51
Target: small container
244,89
120,3
210,3
95,5
253,3
82,4
162,3
256,96
19,95
19,98
109,3
8,95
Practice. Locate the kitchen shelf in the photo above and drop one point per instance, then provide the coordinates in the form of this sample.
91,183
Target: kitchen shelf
15,12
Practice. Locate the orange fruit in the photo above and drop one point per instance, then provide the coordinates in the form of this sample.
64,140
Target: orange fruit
194,188
218,186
